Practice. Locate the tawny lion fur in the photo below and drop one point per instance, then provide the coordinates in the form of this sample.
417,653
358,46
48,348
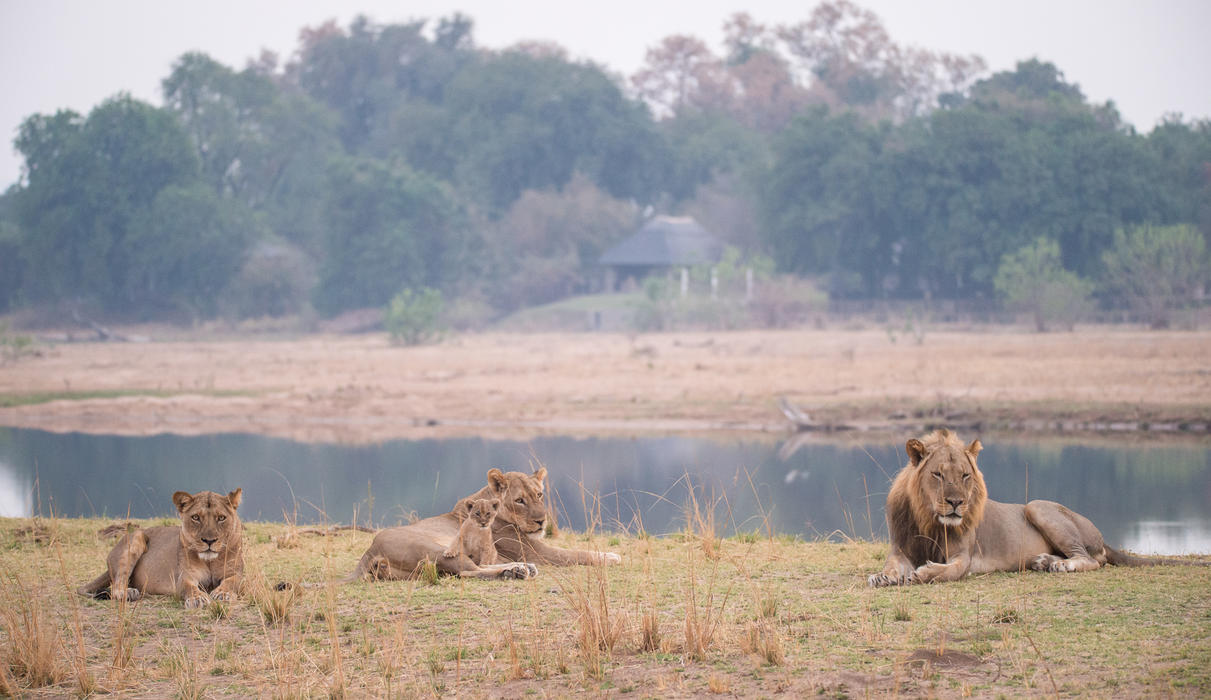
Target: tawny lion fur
474,539
943,526
199,560
517,533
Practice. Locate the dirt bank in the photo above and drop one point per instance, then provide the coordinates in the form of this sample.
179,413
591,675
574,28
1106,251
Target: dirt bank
361,388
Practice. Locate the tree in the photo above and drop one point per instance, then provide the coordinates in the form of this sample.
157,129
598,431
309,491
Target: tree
185,248
1157,269
547,245
388,228
521,122
259,143
85,182
818,202
412,317
1033,280
11,265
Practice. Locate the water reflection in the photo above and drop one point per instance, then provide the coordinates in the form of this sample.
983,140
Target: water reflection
1152,499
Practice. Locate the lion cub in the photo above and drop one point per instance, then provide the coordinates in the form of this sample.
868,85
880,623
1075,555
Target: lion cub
475,534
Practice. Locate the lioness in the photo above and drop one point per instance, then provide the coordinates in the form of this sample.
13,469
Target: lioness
399,552
474,539
198,561
943,526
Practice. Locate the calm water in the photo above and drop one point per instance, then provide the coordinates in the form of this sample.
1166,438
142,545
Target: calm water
1154,499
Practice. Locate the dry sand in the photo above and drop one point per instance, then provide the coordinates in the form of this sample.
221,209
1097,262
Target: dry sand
362,388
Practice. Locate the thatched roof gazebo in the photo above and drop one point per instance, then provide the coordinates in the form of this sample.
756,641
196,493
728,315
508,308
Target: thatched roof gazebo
662,244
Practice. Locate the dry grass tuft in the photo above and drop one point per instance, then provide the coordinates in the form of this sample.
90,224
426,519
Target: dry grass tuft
34,649
649,631
275,603
762,640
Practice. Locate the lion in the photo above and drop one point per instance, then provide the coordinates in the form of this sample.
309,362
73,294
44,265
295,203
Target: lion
517,532
474,539
199,560
943,526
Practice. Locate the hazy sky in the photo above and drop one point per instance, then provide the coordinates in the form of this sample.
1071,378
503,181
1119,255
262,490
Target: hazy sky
1150,57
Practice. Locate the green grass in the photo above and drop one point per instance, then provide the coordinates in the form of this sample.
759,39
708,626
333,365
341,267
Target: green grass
34,398
783,617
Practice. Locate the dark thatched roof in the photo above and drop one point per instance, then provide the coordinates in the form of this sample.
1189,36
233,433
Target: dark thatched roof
666,241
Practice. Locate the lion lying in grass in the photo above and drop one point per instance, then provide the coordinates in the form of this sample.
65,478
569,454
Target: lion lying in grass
199,560
517,531
943,526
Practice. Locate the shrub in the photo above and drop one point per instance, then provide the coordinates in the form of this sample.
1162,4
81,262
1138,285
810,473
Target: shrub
1033,280
412,318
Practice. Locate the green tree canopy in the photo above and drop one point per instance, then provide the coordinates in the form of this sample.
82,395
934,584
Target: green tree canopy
389,228
1157,269
86,182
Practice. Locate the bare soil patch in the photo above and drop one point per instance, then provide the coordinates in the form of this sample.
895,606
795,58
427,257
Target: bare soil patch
362,388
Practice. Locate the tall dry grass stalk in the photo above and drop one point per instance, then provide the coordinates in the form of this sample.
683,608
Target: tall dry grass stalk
123,642
700,523
599,626
182,671
34,649
702,618
85,683
391,660
337,688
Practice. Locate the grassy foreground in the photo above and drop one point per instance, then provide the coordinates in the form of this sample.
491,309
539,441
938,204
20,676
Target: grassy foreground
684,615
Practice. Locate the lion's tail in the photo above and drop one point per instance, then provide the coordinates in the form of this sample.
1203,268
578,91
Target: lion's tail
97,588
1118,558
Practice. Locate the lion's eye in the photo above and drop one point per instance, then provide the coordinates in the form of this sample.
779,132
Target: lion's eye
222,518
938,474
195,518
520,501
966,476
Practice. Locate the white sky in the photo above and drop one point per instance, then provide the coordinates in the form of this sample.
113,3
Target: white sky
1151,57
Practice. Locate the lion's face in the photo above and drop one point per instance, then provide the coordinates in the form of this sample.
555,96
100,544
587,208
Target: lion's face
521,499
483,511
949,484
209,524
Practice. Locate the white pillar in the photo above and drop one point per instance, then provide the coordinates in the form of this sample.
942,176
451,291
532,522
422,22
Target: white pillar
714,283
685,281
748,284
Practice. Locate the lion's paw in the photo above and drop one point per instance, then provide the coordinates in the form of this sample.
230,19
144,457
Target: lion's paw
611,558
197,601
519,571
881,579
223,596
1061,566
449,553
926,572
129,595
1044,562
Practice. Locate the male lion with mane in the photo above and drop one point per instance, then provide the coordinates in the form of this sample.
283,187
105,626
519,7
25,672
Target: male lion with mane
517,531
943,526
199,560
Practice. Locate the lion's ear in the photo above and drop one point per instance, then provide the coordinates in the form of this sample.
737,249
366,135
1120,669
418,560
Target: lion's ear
916,451
540,474
974,448
234,498
181,500
495,503
470,506
497,480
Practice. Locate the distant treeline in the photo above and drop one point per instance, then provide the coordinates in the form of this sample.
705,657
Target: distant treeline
386,157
